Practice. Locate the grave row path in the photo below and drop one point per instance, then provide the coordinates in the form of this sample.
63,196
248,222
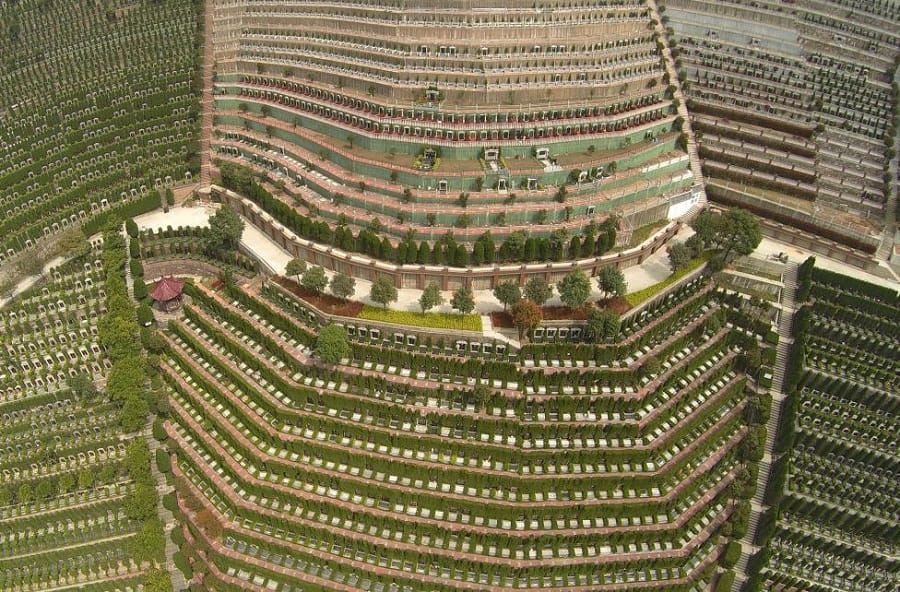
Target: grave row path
299,412
211,412
428,464
378,570
427,384
649,388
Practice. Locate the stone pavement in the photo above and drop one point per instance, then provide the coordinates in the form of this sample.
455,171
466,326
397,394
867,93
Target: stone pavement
769,247
654,269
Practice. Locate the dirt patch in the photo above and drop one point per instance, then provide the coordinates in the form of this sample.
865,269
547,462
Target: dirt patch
324,302
501,319
617,304
563,313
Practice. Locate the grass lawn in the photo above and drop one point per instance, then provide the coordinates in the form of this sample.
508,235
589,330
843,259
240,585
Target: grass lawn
643,233
636,298
432,320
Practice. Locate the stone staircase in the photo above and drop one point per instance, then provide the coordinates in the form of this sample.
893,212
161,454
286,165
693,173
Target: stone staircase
168,519
206,118
757,503
890,207
162,488
692,149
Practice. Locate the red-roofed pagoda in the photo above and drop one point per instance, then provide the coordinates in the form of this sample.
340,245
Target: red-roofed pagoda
167,294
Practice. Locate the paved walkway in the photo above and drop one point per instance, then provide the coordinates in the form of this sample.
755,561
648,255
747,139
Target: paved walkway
26,283
654,269
769,247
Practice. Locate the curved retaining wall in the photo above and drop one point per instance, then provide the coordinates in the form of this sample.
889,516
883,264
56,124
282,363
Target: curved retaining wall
419,276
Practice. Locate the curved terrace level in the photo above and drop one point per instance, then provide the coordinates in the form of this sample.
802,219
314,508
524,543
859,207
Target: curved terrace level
442,115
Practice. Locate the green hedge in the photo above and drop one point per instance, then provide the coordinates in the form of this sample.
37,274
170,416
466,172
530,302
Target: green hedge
433,320
636,298
162,461
142,205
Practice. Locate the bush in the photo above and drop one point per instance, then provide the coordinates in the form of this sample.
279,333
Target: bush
131,228
144,314
140,289
731,555
159,432
470,322
177,536
170,502
162,461
181,563
725,582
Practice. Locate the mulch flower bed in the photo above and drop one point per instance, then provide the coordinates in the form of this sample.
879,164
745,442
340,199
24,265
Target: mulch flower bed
563,313
324,302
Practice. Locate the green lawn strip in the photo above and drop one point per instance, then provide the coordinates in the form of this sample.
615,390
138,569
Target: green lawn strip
636,298
435,320
641,234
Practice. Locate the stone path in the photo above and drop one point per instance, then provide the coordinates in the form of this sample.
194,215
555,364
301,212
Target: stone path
654,269
757,504
162,488
166,516
26,283
687,128
206,118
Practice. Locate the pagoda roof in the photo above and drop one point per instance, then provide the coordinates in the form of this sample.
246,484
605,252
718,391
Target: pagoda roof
167,288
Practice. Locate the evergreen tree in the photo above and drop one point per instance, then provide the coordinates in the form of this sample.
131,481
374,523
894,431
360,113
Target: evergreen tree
463,300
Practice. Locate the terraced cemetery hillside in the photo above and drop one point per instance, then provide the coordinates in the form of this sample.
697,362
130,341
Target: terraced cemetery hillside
566,466
98,106
77,506
835,493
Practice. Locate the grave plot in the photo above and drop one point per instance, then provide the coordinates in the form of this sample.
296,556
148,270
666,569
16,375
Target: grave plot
836,496
98,110
560,466
67,499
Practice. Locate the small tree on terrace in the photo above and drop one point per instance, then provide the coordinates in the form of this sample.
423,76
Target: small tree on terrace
538,290
574,289
612,281
508,293
343,286
82,386
225,229
85,478
463,300
332,345
679,256
296,267
603,325
383,291
526,316
431,297
314,279
157,580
